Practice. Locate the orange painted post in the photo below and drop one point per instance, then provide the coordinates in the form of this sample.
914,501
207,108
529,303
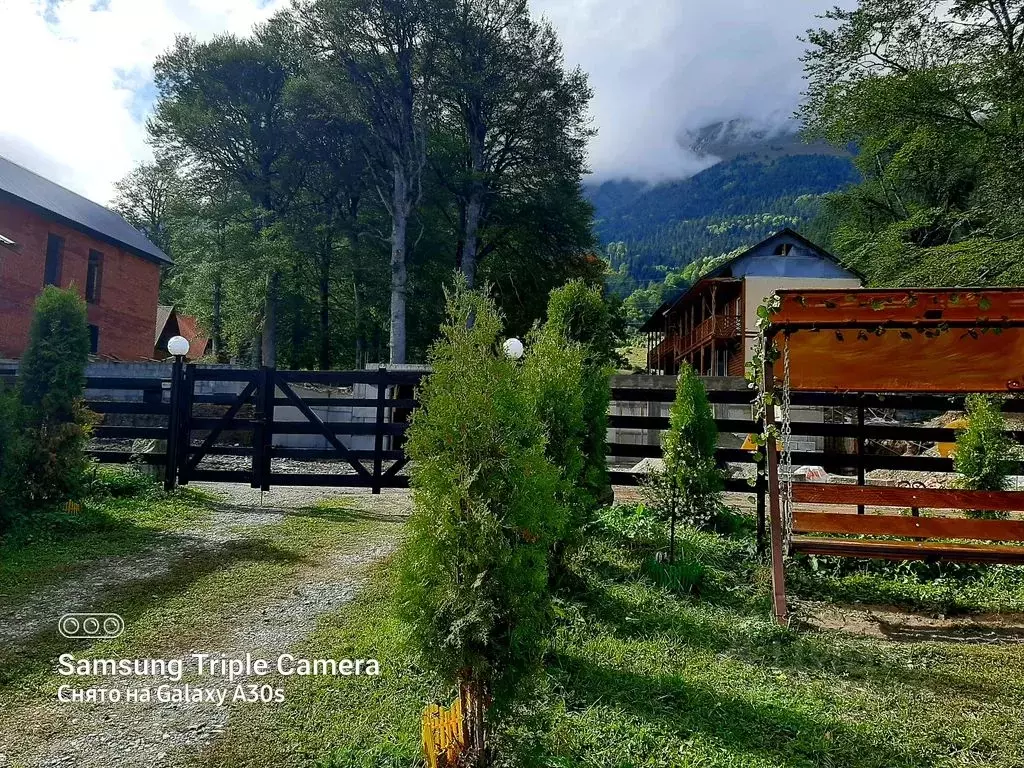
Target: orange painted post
775,506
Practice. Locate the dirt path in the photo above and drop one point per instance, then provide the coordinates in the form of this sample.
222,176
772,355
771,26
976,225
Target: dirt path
46,732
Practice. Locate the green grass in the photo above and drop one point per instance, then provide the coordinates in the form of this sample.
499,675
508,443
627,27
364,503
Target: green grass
198,599
124,513
640,676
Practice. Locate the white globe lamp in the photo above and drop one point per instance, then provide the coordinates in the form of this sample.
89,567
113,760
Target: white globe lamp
513,348
178,346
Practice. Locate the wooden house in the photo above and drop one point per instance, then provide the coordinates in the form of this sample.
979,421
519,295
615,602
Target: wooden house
712,324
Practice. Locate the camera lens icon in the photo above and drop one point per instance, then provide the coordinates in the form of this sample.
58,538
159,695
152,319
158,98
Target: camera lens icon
90,626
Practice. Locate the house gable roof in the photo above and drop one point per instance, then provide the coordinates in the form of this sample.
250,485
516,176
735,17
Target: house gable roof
725,270
56,202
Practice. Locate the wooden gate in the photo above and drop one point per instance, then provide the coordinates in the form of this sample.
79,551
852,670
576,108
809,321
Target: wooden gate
318,428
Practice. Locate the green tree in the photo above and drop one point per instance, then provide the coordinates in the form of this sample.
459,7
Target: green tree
984,452
578,313
51,379
690,486
512,120
930,93
222,107
474,567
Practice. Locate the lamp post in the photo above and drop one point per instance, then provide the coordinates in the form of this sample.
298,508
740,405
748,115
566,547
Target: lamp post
513,348
177,346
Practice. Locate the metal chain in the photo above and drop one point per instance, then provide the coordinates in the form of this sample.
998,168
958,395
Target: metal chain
786,470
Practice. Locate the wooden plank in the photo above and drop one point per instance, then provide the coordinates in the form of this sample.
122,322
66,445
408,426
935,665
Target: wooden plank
914,527
140,409
909,550
132,433
123,382
220,475
246,376
127,457
869,307
327,454
338,481
926,498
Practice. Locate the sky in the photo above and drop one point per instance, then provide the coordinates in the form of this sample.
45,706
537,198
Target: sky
76,75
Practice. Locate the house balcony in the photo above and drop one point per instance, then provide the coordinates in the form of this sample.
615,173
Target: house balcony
717,327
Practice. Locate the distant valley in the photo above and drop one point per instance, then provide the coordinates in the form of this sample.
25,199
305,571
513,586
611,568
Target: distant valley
766,179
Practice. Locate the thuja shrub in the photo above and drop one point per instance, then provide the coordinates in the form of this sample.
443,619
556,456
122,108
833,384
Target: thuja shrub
689,488
474,567
578,313
50,461
555,373
984,452
11,425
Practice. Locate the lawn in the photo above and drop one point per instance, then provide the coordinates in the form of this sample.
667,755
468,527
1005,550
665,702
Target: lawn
639,676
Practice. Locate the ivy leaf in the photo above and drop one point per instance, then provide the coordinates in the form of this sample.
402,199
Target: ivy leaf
984,304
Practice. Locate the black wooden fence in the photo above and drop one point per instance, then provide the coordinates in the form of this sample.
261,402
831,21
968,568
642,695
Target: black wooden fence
194,425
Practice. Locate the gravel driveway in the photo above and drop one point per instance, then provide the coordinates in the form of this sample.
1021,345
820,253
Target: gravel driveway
48,733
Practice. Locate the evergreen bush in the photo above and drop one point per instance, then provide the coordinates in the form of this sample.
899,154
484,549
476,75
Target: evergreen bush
51,459
689,488
577,312
984,452
474,568
11,450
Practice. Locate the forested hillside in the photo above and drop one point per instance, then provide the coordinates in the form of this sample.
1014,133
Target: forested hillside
647,230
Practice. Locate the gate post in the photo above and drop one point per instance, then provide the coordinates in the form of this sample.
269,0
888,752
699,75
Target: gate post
188,391
173,429
263,434
378,444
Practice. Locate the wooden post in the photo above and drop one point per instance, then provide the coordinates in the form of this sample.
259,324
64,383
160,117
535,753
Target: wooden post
173,431
188,392
378,444
860,448
775,504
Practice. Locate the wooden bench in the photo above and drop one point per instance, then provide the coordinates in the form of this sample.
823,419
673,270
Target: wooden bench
919,533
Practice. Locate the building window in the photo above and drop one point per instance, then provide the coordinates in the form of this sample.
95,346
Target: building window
94,339
784,249
94,277
54,260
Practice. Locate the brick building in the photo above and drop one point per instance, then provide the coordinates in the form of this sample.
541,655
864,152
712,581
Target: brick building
49,235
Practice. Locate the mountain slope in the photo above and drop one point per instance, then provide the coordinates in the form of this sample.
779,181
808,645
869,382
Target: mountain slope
739,201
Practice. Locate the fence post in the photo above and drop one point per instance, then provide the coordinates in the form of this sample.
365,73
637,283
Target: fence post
188,391
860,447
761,488
269,384
378,440
262,431
173,432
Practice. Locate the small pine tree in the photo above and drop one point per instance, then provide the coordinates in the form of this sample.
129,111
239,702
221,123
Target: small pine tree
984,452
555,373
473,573
578,313
11,426
52,381
690,486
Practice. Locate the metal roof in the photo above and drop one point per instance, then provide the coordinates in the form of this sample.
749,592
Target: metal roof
54,201
723,268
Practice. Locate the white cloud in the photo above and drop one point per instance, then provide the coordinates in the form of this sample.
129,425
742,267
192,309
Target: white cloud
73,89
662,67
68,93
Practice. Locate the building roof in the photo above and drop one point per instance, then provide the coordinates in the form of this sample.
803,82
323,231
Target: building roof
170,322
724,270
54,201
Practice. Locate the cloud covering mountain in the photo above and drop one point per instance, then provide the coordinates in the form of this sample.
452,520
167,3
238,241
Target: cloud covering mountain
78,75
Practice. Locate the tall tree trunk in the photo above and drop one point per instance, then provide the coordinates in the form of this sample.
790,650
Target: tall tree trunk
268,343
357,312
325,310
475,203
399,273
474,699
474,209
216,334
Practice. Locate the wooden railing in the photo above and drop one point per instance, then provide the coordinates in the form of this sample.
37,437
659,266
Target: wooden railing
715,327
